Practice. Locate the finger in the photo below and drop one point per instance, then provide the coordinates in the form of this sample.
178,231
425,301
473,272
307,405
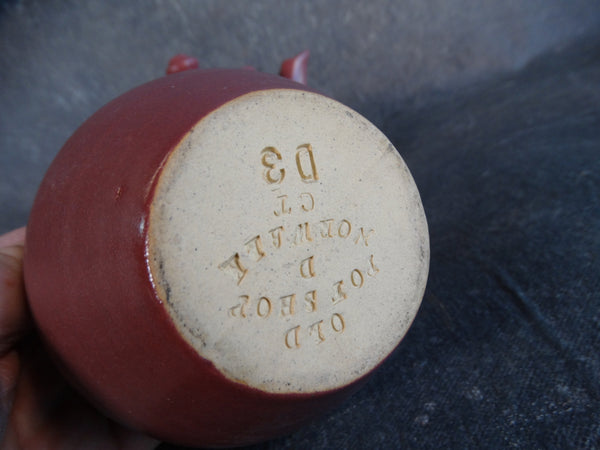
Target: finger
14,314
14,237
132,440
9,372
47,413
38,400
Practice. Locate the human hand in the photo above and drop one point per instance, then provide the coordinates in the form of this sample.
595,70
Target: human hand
38,409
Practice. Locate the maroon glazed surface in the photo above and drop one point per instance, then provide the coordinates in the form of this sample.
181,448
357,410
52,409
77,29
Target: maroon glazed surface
88,280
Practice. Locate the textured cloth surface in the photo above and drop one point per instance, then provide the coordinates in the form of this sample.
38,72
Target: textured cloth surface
496,109
505,351
61,60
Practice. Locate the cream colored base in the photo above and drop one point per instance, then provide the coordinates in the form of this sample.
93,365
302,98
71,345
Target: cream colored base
288,241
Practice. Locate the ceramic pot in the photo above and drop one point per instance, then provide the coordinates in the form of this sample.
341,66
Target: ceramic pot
218,256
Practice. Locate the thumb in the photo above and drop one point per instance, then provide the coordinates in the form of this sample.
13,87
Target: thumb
14,315
14,237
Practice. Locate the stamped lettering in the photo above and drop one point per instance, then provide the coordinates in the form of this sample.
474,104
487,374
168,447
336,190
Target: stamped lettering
326,228
318,332
303,233
272,159
337,323
357,279
291,338
264,307
310,323
269,158
305,160
373,269
287,305
254,248
261,307
364,236
284,208
316,329
276,235
280,238
307,267
338,292
234,267
308,201
310,301
239,310
344,229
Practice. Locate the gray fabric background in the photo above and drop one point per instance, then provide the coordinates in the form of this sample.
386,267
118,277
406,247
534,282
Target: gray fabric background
62,60
494,105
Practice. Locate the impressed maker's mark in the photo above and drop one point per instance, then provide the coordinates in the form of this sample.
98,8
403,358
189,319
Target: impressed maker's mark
316,307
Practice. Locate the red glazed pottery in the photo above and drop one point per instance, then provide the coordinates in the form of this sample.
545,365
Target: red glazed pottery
218,256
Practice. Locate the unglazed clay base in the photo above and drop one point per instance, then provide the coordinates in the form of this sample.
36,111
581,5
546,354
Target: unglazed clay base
288,242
